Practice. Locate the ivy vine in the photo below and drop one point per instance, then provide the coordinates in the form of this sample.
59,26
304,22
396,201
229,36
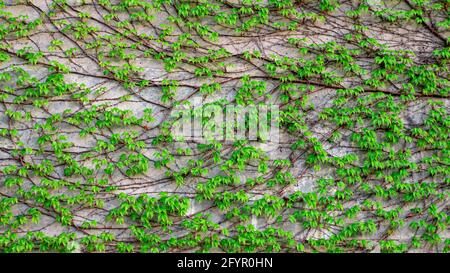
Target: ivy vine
88,161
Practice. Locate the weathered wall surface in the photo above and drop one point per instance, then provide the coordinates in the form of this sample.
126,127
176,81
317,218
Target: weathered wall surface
364,127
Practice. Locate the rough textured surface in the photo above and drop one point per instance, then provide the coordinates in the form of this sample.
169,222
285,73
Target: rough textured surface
131,56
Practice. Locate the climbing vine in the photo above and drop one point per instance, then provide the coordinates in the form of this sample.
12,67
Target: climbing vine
89,163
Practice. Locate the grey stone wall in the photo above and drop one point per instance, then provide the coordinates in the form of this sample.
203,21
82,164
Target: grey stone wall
85,69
